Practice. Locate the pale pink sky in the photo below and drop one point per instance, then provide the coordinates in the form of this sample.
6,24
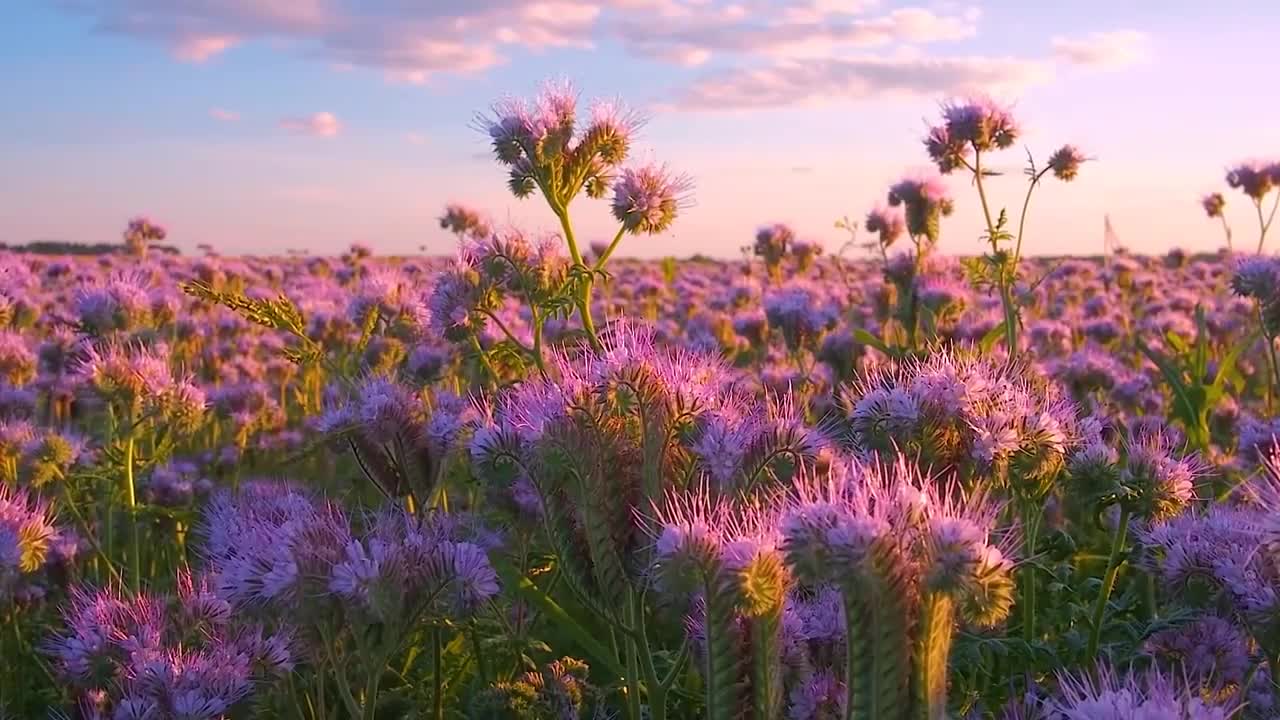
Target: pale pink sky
261,126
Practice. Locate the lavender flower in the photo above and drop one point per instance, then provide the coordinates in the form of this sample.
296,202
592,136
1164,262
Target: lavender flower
926,201
646,199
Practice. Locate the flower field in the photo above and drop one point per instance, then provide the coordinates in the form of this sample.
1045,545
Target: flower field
538,479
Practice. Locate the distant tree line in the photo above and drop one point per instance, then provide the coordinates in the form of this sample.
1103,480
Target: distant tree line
59,247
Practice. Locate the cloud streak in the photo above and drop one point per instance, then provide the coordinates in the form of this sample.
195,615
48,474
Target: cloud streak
1103,50
840,79
321,124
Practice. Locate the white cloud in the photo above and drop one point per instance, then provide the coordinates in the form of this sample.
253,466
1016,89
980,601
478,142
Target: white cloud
321,124
810,82
224,115
1103,50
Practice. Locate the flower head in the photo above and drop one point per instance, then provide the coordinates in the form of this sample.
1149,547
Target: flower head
888,224
925,200
1065,162
647,199
1213,204
1254,178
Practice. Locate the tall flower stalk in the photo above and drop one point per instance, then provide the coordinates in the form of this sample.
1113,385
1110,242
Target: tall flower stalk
548,152
912,558
970,131
1256,180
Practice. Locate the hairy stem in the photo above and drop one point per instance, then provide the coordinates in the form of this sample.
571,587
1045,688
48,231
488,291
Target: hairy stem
929,664
1108,584
583,300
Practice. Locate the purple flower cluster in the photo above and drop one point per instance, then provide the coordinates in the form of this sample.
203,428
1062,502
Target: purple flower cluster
275,547
144,656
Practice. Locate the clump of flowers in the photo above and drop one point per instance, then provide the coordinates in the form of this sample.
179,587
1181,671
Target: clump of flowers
141,233
1214,204
925,200
550,152
605,437
276,550
28,541
555,691
966,413
146,655
912,559
772,245
1255,179
969,130
463,221
887,225
727,560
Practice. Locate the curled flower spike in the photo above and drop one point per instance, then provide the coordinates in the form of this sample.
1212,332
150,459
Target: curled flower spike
889,225
464,221
1213,204
978,124
646,199
1253,178
1065,162
925,200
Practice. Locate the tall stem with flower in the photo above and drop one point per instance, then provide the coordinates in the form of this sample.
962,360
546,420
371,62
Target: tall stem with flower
968,130
541,145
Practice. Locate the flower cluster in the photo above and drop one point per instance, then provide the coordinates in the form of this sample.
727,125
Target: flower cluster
271,546
965,412
140,233
911,558
139,656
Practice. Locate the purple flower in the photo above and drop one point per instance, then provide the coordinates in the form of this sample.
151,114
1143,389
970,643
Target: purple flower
1150,695
1065,162
646,199
888,224
1254,178
926,201
1213,204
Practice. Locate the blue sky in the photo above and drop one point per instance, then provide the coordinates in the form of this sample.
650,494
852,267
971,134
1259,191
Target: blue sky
262,125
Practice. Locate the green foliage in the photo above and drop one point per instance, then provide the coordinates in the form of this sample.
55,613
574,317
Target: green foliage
1186,371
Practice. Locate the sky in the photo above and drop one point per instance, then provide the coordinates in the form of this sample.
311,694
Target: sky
260,126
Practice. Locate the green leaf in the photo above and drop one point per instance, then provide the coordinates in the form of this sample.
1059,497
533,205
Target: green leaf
992,337
1173,377
515,580
866,338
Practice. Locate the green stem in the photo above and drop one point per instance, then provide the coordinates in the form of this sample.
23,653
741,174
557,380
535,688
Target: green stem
583,300
481,665
1022,218
1265,225
371,693
135,561
1031,522
1108,583
437,675
484,358
600,261
766,669
83,526
655,689
1006,296
932,650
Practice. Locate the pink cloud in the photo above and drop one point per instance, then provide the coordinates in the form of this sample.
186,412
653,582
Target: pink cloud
816,81
1103,50
198,48
321,124
224,115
